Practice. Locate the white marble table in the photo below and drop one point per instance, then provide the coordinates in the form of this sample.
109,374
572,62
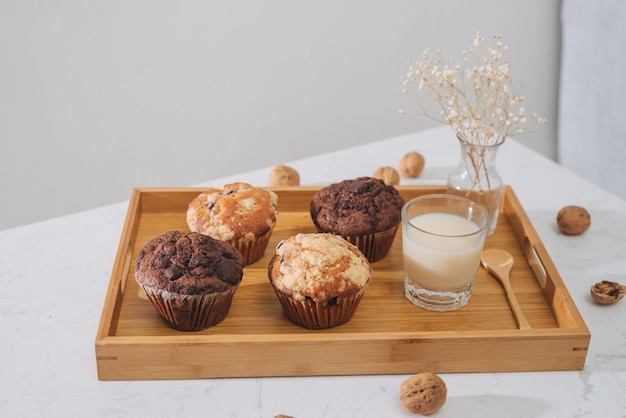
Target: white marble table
53,277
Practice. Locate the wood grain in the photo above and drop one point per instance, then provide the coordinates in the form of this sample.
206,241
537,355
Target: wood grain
387,335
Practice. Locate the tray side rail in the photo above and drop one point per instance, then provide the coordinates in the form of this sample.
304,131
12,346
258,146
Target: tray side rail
548,277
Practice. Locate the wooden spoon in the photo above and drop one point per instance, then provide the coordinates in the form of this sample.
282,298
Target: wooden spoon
499,264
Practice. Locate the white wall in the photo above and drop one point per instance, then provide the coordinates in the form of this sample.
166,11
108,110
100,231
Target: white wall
98,97
592,127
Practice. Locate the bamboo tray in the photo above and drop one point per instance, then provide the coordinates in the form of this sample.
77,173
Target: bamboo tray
387,335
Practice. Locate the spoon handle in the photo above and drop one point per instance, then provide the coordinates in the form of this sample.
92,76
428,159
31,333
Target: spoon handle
522,323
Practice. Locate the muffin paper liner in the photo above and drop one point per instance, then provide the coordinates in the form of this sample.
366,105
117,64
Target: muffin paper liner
374,246
253,250
190,312
320,315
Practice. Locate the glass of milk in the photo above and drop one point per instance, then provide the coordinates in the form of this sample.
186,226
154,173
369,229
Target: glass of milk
442,240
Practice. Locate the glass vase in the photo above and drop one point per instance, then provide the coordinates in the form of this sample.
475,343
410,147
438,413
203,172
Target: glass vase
477,179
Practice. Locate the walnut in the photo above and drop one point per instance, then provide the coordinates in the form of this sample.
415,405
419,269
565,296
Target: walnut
607,293
573,220
282,175
387,174
411,165
423,393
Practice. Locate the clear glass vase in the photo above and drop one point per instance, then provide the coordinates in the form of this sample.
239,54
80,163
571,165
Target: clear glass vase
477,179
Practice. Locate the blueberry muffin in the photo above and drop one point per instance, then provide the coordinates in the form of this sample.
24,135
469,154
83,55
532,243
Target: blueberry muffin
319,279
237,213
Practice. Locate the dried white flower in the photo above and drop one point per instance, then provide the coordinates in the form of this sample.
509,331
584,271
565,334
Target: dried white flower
475,95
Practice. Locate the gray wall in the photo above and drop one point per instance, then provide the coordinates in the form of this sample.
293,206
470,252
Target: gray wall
98,97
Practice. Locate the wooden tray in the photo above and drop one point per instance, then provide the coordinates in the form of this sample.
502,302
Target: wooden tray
387,335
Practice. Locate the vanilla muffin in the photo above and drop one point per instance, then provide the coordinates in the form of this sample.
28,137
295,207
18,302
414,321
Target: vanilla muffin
364,211
190,278
237,213
319,279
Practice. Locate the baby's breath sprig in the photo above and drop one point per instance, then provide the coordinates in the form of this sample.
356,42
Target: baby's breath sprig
475,94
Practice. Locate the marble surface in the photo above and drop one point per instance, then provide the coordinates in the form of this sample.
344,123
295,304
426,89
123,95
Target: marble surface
54,275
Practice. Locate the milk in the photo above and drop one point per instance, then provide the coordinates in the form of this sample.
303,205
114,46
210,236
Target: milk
446,256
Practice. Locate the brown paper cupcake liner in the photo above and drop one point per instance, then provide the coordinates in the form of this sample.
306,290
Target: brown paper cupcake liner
320,315
191,312
374,246
253,250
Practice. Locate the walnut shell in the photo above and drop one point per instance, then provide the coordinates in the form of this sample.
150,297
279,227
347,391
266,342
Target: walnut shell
387,174
573,220
411,164
423,393
282,175
607,293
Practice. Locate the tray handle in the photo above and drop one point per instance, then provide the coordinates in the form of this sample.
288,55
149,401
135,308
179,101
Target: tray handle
551,283
535,262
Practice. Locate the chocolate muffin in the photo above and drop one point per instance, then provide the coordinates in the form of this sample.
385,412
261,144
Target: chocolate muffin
237,213
365,211
319,279
190,278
